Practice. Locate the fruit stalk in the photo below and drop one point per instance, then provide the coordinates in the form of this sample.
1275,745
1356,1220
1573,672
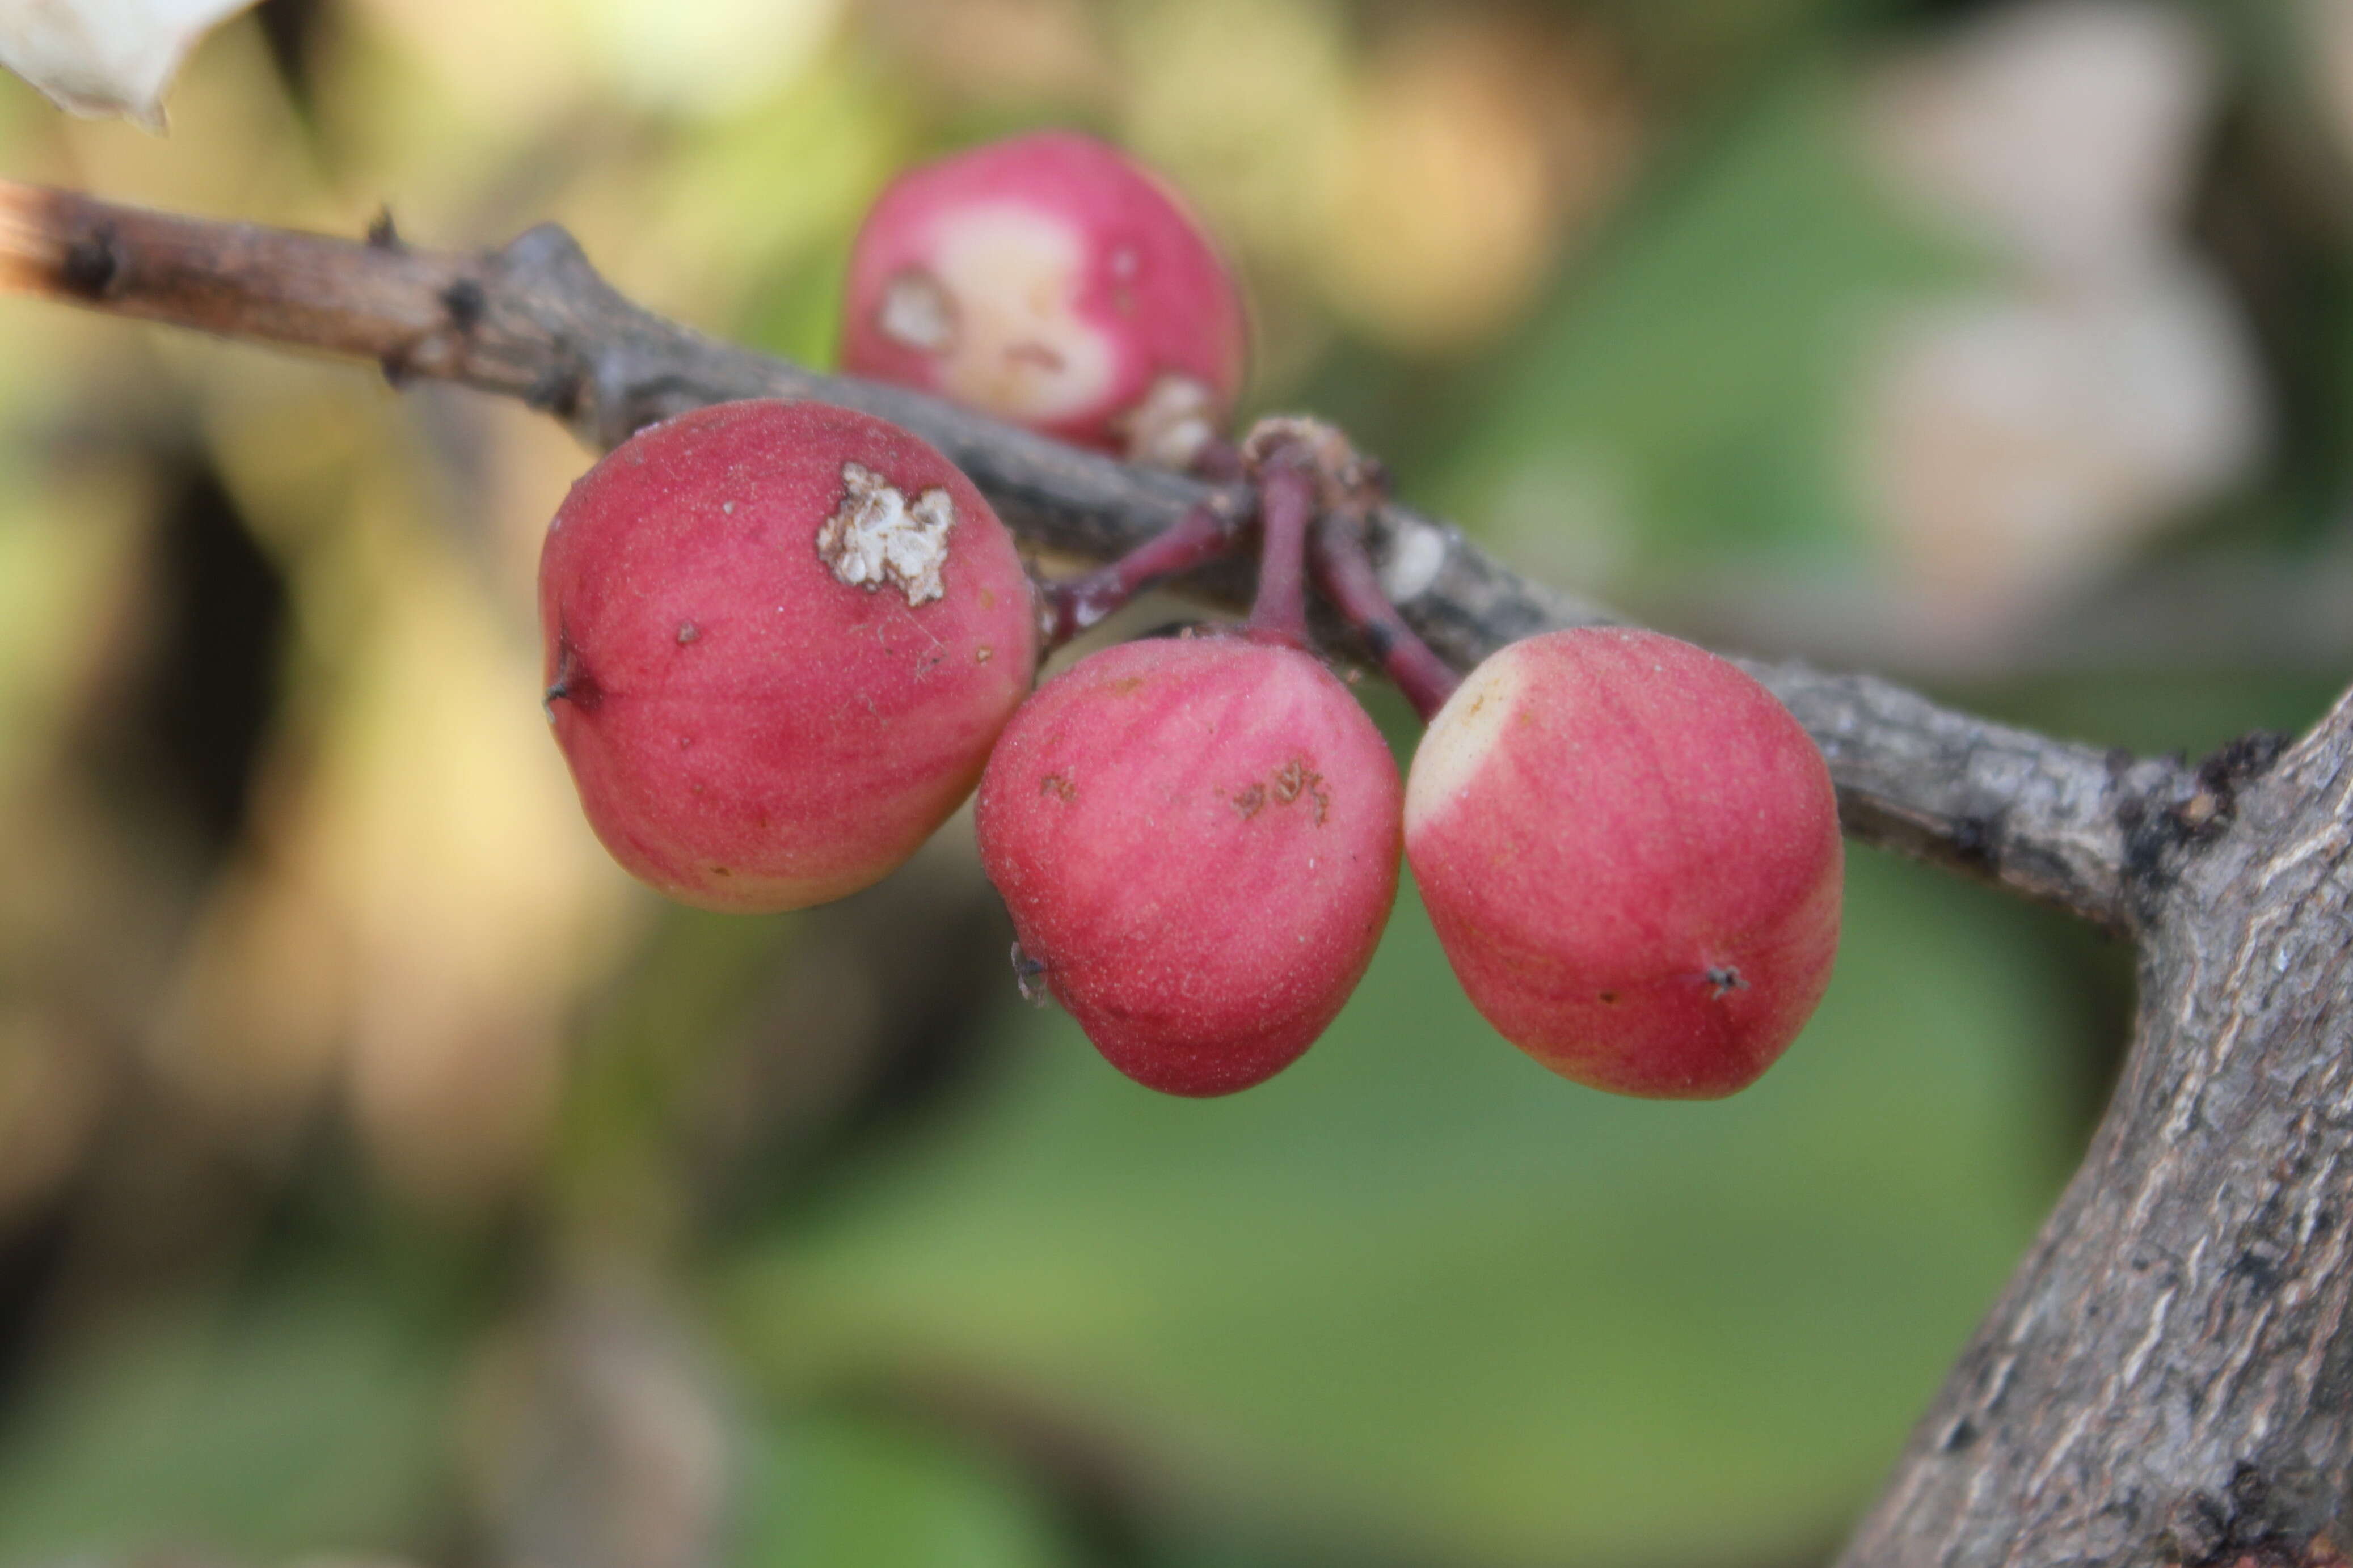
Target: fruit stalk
1198,537
1287,497
1347,573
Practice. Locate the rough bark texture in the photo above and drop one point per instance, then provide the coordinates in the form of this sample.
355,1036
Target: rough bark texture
2169,1378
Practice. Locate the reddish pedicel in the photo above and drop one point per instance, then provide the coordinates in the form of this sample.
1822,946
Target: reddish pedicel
780,639
1050,281
1198,840
1630,851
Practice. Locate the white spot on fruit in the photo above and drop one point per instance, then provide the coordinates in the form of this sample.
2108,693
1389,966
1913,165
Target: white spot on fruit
1020,348
918,313
1462,736
1173,420
876,537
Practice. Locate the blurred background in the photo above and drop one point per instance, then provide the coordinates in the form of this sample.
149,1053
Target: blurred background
383,1178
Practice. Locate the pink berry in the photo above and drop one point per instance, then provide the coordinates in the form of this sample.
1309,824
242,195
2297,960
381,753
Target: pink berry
1630,851
780,640
1198,840
1050,281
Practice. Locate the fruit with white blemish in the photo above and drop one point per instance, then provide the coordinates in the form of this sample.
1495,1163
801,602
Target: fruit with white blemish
1630,852
1050,281
780,639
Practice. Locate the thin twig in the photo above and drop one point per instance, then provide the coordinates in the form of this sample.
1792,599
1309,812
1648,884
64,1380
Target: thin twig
1346,572
2064,825
1193,540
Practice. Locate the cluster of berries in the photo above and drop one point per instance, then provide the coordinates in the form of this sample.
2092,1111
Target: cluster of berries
785,641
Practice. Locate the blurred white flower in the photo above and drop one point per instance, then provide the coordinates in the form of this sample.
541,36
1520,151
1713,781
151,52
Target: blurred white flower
100,58
2019,444
2060,132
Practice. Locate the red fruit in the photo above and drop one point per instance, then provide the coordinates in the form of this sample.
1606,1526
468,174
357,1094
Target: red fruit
781,638
1630,851
1198,840
1050,281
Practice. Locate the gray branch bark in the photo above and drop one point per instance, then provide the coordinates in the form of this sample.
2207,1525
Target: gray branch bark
2169,1378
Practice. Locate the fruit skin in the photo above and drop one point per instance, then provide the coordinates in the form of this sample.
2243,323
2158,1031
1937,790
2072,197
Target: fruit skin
1630,852
1049,281
748,731
1198,841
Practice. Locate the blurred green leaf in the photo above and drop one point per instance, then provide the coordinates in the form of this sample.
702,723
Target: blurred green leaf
314,1425
1418,1290
1690,393
827,1491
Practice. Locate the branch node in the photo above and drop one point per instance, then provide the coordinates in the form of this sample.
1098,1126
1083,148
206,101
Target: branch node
466,303
92,264
544,248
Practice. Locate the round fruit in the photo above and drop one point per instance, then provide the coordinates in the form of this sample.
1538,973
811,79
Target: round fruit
1198,840
780,639
1050,281
1630,851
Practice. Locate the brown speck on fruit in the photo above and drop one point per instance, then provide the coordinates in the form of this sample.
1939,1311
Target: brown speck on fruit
1058,785
982,653
1250,801
1127,685
1723,978
1030,351
721,871
688,632
1295,778
1609,998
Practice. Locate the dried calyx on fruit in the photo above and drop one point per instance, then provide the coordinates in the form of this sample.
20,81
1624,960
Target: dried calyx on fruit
780,640
1049,281
1630,851
1197,837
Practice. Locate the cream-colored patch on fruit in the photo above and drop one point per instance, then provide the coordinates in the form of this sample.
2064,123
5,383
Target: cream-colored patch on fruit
1012,277
1177,417
1462,736
917,313
876,537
